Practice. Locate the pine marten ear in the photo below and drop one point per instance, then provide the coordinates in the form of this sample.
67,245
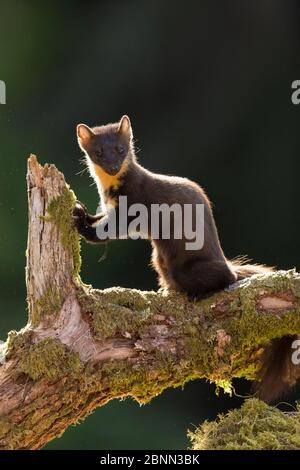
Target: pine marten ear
84,135
125,126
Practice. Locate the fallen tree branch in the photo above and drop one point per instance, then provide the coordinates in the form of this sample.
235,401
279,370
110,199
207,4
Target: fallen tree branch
83,347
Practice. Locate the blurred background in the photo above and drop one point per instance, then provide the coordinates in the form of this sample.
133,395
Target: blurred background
207,85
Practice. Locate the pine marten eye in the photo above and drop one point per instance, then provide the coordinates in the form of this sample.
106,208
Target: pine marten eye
120,149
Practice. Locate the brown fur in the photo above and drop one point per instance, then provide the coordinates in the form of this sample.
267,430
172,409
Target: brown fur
277,374
197,273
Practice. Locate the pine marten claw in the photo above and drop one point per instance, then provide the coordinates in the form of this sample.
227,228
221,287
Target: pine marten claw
79,215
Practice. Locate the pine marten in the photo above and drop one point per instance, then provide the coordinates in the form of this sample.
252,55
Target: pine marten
111,159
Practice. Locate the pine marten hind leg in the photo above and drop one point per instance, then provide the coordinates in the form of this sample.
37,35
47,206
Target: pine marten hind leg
200,279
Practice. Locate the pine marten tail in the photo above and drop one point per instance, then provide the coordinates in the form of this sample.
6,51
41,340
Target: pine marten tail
243,268
277,373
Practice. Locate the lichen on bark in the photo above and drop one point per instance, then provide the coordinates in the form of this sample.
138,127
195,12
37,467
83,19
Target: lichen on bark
49,304
60,211
51,360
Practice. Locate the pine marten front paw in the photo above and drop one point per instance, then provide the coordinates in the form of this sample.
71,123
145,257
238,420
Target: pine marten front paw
80,216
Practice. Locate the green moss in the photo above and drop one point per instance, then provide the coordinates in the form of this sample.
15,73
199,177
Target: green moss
119,321
48,304
60,212
225,385
248,327
191,348
129,314
246,370
194,329
279,281
126,312
255,426
141,381
116,311
50,359
16,342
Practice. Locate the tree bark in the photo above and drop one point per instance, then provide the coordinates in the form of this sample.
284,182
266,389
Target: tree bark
83,347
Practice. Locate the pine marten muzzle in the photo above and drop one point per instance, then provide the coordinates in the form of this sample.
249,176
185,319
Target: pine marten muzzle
112,163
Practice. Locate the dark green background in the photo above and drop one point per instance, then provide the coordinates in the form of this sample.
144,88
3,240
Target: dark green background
207,85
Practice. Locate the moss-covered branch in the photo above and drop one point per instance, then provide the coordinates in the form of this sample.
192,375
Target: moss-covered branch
83,347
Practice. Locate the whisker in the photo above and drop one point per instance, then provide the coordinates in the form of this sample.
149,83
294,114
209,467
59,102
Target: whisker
81,171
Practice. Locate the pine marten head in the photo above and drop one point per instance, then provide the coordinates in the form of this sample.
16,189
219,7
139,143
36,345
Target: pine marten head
108,147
